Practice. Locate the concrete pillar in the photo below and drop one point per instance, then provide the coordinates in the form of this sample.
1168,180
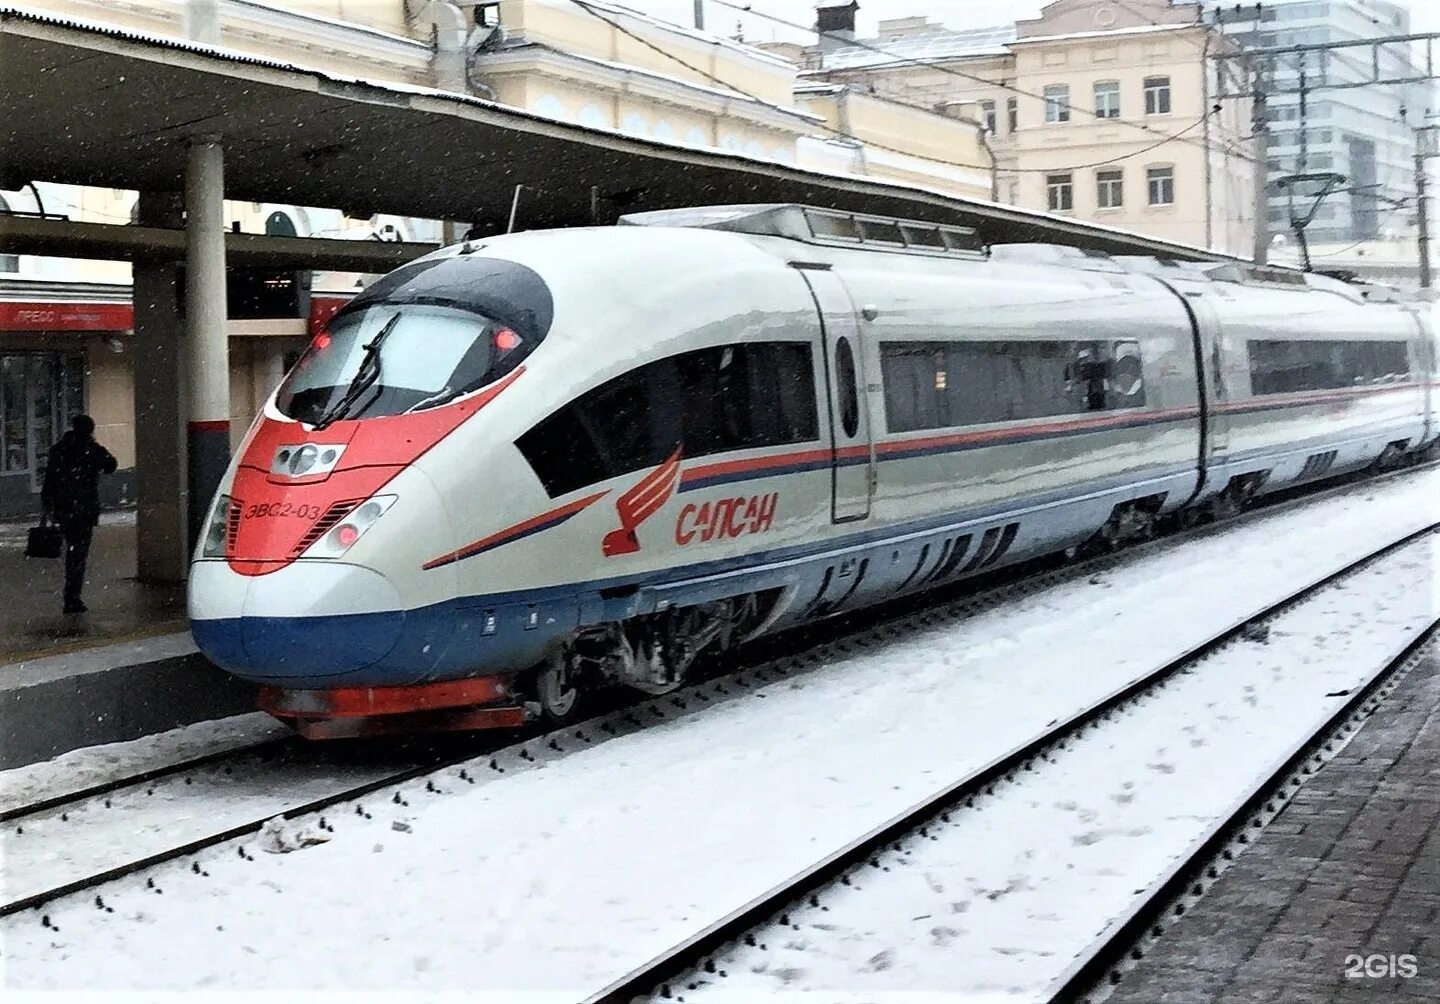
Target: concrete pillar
208,371
162,534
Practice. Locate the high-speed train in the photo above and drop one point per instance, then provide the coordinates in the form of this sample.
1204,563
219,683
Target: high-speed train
525,467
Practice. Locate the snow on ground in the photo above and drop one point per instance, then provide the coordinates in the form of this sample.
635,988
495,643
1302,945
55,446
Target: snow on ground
560,879
1014,890
94,765
59,846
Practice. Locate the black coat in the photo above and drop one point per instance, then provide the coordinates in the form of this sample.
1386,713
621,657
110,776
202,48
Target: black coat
71,493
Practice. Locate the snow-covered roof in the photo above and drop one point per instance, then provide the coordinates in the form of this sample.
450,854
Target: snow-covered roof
1139,29
939,44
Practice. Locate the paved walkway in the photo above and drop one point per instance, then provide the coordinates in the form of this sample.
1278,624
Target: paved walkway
31,623
1350,868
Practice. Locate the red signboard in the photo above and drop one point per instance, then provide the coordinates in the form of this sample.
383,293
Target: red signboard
322,308
24,316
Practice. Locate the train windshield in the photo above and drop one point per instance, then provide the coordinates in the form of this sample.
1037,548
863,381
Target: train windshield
392,359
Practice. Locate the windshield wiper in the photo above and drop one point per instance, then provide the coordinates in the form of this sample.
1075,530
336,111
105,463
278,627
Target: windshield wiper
366,375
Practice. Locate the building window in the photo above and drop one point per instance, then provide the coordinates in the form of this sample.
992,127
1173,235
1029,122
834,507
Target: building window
1012,112
1057,103
1160,182
1107,99
1110,189
1157,95
987,115
1060,190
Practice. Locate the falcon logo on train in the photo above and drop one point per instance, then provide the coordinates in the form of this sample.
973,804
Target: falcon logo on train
417,533
640,503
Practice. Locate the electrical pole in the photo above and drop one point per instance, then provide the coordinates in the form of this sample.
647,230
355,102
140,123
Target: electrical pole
1422,201
1260,131
699,15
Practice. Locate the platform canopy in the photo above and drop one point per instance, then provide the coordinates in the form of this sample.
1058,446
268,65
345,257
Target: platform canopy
93,105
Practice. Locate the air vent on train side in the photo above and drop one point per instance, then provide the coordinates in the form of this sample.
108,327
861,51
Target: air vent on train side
822,226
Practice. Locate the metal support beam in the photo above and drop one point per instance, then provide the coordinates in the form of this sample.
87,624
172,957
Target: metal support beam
208,429
1283,56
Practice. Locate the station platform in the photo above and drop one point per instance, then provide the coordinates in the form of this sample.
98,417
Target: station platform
124,669
121,607
1339,898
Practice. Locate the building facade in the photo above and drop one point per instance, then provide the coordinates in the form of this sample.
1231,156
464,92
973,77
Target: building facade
1096,109
1363,133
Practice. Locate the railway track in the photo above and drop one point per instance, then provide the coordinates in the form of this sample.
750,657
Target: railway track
67,817
697,963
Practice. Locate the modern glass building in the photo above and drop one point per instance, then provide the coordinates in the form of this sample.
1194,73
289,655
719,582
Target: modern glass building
1365,133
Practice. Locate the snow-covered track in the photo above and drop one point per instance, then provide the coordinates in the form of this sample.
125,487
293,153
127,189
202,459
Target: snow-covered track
77,798
787,657
689,964
43,862
1170,896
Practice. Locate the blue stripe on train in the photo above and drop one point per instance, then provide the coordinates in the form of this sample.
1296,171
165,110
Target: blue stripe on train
514,629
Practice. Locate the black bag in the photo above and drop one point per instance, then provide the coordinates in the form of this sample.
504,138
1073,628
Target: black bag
45,541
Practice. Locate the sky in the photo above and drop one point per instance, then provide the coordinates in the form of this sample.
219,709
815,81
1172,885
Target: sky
722,19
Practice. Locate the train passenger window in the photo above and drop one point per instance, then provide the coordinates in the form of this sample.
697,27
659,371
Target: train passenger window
1284,367
713,400
846,393
931,385
1127,376
917,380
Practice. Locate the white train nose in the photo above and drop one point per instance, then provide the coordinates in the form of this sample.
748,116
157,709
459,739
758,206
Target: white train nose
310,620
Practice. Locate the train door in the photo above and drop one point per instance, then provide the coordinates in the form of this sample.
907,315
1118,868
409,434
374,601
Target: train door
853,459
1212,385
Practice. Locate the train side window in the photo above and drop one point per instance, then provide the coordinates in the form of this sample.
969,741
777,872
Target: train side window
1284,367
931,385
712,400
846,393
1127,375
783,388
563,453
917,383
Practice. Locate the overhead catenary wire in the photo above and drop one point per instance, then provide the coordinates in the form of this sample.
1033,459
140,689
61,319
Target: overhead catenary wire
1164,137
952,71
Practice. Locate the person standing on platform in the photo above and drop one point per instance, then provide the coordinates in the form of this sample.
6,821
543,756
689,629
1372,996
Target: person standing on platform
71,497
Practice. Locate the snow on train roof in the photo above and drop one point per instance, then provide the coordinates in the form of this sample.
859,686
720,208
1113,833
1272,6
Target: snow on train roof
815,225
838,228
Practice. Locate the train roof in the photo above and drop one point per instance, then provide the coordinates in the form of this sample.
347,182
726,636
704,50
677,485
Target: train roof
838,228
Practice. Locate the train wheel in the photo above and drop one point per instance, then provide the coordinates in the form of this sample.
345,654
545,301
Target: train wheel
556,689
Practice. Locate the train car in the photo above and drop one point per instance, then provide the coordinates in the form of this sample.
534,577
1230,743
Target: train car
526,467
1310,376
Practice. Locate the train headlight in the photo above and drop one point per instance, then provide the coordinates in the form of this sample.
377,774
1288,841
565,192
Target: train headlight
335,541
217,531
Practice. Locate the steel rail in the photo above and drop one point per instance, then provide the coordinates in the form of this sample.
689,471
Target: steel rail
1090,969
178,768
1008,583
655,976
219,837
